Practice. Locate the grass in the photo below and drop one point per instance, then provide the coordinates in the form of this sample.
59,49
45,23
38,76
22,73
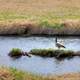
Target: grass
13,74
58,53
15,52
45,12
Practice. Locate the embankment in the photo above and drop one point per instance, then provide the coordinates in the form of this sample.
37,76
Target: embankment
27,28
13,74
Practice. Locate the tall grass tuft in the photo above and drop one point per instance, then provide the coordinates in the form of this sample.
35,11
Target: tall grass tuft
15,52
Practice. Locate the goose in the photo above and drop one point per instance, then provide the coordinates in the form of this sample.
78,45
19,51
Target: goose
59,45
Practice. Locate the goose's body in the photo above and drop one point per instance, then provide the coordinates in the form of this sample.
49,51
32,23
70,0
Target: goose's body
59,45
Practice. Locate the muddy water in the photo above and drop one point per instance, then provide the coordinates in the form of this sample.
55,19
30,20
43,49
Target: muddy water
37,64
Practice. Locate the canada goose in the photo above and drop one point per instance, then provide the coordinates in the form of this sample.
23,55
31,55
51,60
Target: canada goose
58,44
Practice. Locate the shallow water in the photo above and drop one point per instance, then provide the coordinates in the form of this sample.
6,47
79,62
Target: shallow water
37,64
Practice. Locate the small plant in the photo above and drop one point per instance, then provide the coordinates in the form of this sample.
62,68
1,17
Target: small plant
15,52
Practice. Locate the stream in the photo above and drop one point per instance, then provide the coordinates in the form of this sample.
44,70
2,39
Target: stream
36,64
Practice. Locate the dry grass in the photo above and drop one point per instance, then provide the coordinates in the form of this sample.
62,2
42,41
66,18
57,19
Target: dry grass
39,9
13,74
70,76
44,13
5,74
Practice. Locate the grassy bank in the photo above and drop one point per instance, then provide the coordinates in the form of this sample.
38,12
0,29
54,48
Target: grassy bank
57,53
13,74
41,11
39,17
29,28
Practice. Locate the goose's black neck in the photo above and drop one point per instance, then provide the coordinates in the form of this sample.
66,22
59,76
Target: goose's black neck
56,40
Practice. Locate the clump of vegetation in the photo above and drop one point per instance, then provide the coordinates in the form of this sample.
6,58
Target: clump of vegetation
57,53
48,24
15,52
52,53
64,53
42,52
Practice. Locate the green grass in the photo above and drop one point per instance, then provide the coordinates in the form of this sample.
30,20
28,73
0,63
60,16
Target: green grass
15,52
59,53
